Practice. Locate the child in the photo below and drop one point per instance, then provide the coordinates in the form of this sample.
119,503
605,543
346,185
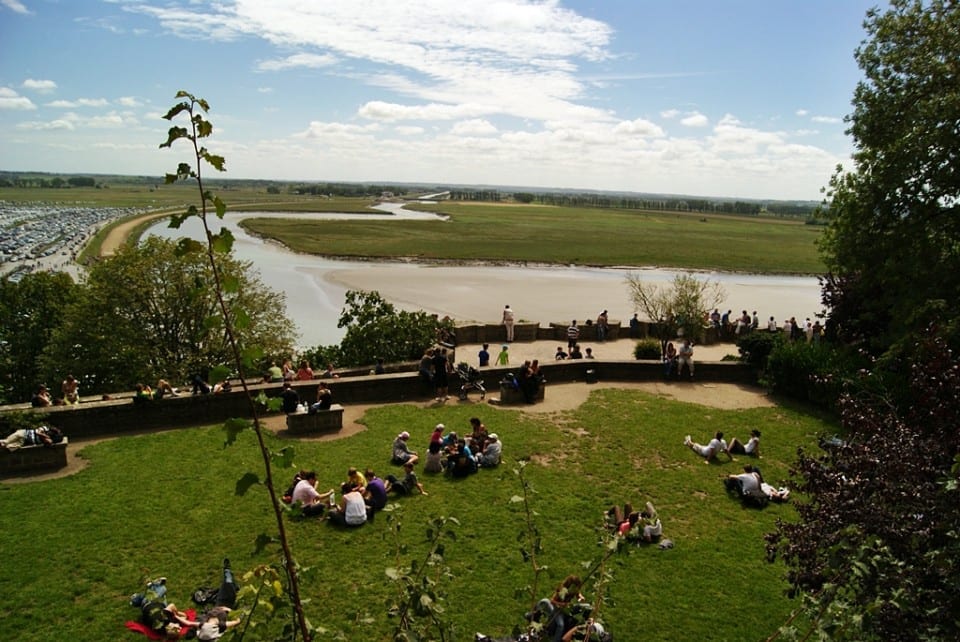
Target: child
503,359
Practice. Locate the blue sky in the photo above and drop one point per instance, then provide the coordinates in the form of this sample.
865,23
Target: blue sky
738,98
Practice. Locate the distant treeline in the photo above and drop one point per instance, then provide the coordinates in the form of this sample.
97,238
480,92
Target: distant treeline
633,202
55,182
791,209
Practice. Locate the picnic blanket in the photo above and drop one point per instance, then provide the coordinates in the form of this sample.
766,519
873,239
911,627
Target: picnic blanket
138,627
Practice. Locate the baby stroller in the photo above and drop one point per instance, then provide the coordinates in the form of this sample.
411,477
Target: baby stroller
470,377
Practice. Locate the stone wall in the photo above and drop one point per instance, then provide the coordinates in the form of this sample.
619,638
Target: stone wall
115,416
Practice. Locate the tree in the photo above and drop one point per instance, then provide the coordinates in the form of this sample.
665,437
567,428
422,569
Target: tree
376,329
682,305
30,311
145,314
876,552
893,240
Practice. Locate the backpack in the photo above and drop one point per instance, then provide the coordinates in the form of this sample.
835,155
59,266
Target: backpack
205,595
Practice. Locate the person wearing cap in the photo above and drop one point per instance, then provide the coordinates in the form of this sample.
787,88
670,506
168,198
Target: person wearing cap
437,435
401,452
490,456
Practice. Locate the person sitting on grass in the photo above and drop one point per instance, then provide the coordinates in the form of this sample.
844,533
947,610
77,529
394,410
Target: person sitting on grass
407,485
492,452
351,510
376,491
401,451
312,503
356,479
709,452
752,447
478,435
460,460
434,461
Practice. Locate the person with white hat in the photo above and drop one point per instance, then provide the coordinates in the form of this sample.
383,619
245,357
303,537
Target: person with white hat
491,453
401,452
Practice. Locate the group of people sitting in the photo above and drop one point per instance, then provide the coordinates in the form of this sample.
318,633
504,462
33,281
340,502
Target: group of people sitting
675,359
290,399
361,495
70,394
634,526
749,483
459,456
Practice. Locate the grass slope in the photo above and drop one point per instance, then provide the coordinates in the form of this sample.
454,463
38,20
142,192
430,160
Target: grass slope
164,504
564,235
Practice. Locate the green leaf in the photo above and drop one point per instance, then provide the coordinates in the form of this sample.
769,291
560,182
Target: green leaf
222,242
220,205
212,322
230,284
176,110
241,320
245,482
174,134
204,127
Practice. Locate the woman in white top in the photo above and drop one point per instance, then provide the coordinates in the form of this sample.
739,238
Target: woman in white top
752,447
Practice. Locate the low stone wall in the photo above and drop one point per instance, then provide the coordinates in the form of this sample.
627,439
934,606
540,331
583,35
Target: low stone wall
116,416
319,422
510,396
33,459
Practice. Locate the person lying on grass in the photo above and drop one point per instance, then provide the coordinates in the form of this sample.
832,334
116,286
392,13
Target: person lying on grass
709,452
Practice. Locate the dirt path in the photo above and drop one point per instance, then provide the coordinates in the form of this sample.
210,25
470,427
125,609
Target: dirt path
559,398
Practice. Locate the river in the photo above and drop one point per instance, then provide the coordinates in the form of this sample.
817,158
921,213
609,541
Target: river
315,286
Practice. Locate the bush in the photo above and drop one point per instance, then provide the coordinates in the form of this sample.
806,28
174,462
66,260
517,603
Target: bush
756,346
647,349
812,372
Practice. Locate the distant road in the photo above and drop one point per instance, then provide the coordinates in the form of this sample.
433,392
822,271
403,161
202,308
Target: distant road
117,236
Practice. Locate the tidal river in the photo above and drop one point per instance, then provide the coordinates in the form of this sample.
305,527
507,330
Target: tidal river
315,286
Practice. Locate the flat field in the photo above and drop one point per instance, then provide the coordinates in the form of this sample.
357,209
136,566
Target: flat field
564,235
164,504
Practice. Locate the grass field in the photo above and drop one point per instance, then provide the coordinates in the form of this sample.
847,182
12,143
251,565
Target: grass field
490,232
564,235
164,504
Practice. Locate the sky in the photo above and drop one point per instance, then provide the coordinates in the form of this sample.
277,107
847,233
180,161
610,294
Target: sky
733,98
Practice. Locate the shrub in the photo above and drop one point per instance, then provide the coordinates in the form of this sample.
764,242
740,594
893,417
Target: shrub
647,349
756,346
813,372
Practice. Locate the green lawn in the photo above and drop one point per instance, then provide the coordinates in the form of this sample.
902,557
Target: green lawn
564,235
163,504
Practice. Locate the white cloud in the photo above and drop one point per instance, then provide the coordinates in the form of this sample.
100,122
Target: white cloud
40,86
314,61
11,100
695,119
639,127
15,6
80,102
826,119
42,126
731,137
473,127
264,90
379,110
318,129
409,130
128,101
669,113
801,112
